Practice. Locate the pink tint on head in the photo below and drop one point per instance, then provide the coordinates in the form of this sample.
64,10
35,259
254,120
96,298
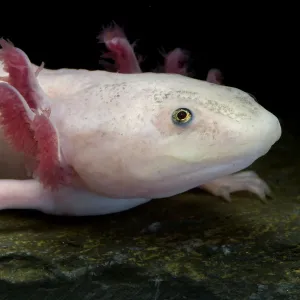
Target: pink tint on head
120,50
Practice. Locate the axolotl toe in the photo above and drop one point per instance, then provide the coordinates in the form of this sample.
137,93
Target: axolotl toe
100,142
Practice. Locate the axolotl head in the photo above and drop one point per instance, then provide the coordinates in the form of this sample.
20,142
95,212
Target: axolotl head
163,134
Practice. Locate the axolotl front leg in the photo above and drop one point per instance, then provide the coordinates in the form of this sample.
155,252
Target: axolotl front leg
26,123
31,194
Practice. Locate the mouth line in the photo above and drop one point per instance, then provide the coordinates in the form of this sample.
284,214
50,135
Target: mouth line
215,166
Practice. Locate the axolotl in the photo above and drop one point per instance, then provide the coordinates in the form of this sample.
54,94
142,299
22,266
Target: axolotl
98,142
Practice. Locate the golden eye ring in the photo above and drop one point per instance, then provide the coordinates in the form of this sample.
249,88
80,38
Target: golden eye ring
182,116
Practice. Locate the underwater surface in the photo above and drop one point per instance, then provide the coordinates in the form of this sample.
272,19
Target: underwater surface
191,246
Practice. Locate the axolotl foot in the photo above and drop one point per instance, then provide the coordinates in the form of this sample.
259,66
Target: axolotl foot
243,181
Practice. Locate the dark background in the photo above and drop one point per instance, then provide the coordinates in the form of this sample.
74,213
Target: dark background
252,45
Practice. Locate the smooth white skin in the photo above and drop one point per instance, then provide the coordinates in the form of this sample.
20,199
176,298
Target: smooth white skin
116,132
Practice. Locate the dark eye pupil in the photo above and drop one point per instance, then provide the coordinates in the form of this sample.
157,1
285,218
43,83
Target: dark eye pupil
182,115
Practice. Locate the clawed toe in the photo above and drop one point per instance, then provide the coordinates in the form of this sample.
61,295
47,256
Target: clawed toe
244,181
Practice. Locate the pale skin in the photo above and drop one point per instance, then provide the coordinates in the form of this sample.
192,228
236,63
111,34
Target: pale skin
117,133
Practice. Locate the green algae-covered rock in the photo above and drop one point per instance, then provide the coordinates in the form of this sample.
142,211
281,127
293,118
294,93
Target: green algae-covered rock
192,246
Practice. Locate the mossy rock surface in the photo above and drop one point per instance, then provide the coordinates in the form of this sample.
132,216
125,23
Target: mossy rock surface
192,246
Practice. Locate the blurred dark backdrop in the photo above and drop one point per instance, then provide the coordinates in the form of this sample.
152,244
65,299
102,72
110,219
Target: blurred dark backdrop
251,45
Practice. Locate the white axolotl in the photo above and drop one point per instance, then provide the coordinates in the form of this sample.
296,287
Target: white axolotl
100,142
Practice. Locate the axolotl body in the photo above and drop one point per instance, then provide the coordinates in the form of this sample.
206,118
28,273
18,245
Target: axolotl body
100,142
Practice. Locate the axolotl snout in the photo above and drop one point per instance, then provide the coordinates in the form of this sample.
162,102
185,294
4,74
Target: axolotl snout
128,138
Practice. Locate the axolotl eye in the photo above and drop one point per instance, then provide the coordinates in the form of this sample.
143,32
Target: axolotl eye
182,116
